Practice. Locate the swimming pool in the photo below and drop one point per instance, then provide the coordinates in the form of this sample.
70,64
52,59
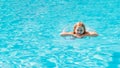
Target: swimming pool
29,34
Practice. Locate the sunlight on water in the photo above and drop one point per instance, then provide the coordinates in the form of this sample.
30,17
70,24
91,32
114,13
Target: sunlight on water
30,34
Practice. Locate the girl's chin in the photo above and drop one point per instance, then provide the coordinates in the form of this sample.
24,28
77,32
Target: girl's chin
79,34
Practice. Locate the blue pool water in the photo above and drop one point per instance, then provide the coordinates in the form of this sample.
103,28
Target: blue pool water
29,34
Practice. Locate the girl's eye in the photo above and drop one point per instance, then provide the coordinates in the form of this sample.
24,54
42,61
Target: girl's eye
78,30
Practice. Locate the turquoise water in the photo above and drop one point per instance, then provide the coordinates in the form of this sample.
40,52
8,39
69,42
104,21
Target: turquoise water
29,34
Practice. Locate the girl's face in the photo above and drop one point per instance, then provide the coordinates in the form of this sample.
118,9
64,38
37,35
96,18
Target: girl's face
79,30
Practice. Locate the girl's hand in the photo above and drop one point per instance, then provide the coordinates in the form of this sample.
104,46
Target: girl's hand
93,34
63,33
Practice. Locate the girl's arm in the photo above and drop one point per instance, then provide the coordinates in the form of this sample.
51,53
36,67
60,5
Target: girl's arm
86,34
92,34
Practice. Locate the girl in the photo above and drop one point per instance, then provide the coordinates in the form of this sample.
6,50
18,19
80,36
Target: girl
79,31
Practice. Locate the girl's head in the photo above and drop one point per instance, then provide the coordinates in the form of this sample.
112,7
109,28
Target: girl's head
79,28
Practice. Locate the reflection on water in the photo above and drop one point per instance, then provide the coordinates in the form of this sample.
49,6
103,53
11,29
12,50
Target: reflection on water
115,63
29,34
